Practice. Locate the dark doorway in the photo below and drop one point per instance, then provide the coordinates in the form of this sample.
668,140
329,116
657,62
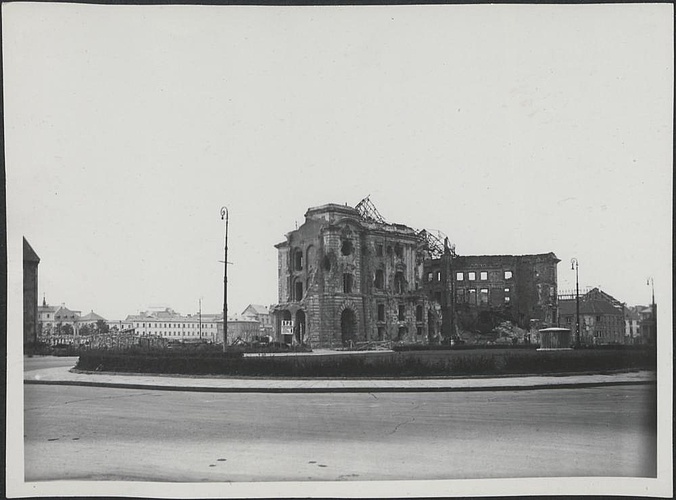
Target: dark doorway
299,327
431,333
348,326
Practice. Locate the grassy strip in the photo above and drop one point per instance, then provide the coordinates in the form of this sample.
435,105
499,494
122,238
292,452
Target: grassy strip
409,364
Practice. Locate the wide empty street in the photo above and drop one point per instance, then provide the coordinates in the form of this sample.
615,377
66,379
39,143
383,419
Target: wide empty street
93,433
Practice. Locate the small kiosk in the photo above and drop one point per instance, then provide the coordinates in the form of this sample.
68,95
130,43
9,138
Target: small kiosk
555,339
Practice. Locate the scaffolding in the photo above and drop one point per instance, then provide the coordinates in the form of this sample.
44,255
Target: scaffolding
435,243
368,211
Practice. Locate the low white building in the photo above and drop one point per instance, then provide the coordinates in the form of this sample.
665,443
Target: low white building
174,326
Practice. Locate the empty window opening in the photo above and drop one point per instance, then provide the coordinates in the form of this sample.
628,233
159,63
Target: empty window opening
379,250
508,275
459,276
460,296
419,313
389,250
483,276
347,283
401,315
398,250
403,331
381,312
472,296
346,248
326,263
381,333
430,276
471,276
438,275
483,296
298,260
437,297
380,279
419,331
299,290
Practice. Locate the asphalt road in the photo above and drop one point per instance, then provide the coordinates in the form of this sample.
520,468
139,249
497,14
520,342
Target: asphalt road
84,433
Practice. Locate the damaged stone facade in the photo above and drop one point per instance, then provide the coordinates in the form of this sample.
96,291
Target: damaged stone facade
491,289
345,279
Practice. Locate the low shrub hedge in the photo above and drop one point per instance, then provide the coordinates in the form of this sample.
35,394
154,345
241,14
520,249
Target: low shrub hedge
375,364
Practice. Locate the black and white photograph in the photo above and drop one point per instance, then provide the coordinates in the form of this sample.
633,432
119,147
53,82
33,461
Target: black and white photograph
338,251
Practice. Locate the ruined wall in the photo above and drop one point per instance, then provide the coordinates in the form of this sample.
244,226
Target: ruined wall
490,289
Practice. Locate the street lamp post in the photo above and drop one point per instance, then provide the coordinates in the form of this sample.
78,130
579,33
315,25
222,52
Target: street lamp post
224,215
574,265
653,313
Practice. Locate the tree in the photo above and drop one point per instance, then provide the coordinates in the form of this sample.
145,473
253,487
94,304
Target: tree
67,329
102,326
86,329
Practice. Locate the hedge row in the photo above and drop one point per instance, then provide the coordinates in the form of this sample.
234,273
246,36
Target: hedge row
476,362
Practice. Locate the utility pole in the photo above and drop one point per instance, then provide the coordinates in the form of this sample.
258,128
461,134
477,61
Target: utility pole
653,310
574,266
448,296
224,215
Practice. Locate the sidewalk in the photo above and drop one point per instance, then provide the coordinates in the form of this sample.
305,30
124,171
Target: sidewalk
63,376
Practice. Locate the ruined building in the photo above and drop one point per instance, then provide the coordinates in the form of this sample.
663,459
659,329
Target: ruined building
347,276
491,289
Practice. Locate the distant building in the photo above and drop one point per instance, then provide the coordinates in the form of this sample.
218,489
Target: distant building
91,319
602,318
30,294
66,320
262,315
632,325
171,325
240,329
648,324
46,318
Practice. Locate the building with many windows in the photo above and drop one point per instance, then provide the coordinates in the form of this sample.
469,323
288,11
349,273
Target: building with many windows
602,317
491,289
346,276
169,324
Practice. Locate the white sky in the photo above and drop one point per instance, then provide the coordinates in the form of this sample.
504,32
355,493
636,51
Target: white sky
513,129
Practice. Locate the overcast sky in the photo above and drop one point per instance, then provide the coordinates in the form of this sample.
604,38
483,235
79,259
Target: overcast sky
512,129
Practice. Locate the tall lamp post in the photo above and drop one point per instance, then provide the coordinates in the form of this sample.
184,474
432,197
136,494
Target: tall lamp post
574,265
653,313
224,215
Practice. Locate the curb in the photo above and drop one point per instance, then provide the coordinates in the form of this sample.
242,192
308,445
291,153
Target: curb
318,390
